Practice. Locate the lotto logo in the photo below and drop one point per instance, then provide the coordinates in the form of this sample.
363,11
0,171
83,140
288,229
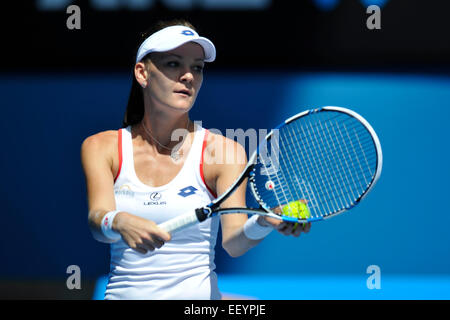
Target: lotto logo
187,33
186,192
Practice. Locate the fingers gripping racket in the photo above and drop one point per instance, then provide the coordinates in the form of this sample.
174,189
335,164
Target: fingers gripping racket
327,158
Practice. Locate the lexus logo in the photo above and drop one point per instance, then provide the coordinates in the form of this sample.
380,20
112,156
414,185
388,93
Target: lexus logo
155,196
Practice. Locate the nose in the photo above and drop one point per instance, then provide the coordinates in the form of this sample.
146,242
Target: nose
187,76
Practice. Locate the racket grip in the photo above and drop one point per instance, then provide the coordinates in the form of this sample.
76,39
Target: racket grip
179,223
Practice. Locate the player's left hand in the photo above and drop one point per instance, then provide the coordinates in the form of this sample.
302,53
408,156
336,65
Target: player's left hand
285,228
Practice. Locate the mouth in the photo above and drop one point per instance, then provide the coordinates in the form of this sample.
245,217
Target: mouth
184,92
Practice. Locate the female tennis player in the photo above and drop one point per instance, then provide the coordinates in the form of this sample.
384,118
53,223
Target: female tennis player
159,165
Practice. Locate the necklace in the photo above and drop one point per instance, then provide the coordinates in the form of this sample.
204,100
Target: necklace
175,153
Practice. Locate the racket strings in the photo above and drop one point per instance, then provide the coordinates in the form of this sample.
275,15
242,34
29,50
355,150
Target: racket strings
270,169
365,139
372,172
350,155
283,190
326,160
345,168
329,189
308,159
277,177
365,168
306,193
345,173
365,142
294,193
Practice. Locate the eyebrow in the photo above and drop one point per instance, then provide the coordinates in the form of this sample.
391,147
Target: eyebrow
180,57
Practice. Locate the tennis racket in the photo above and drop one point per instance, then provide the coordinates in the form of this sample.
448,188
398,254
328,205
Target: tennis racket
328,158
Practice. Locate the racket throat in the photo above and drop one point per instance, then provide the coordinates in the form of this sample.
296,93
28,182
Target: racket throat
203,213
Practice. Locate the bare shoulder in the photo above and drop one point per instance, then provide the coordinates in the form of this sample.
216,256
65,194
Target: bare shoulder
223,150
103,144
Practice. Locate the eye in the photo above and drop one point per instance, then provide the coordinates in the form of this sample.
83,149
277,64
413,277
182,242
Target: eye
198,68
173,64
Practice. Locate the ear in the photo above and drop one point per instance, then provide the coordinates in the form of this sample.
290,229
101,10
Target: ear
141,74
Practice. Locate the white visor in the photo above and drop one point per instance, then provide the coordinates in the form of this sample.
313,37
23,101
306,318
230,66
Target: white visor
172,37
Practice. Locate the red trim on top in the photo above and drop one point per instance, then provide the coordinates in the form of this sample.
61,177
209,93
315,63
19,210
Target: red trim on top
120,154
201,164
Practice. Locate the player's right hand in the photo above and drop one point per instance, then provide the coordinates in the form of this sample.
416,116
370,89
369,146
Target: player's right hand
139,234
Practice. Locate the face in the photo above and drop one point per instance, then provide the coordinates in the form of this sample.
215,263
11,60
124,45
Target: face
174,78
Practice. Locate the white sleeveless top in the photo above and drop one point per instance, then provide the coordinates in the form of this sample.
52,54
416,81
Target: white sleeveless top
182,268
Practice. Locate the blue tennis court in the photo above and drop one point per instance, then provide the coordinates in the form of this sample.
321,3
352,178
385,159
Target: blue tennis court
325,287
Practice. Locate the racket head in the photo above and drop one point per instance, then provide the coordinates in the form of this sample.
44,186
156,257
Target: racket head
329,158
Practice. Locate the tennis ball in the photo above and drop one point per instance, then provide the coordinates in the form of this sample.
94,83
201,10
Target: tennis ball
296,209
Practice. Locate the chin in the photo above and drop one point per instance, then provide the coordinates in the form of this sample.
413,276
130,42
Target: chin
182,106
185,104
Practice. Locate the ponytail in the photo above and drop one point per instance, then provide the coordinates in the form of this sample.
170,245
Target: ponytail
135,107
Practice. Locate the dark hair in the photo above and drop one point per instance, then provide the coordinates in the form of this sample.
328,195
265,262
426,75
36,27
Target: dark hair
135,108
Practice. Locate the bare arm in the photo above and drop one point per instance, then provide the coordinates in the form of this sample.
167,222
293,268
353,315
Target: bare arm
231,160
97,154
234,240
97,166
225,160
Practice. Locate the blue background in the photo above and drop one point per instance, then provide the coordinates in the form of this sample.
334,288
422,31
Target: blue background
402,226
